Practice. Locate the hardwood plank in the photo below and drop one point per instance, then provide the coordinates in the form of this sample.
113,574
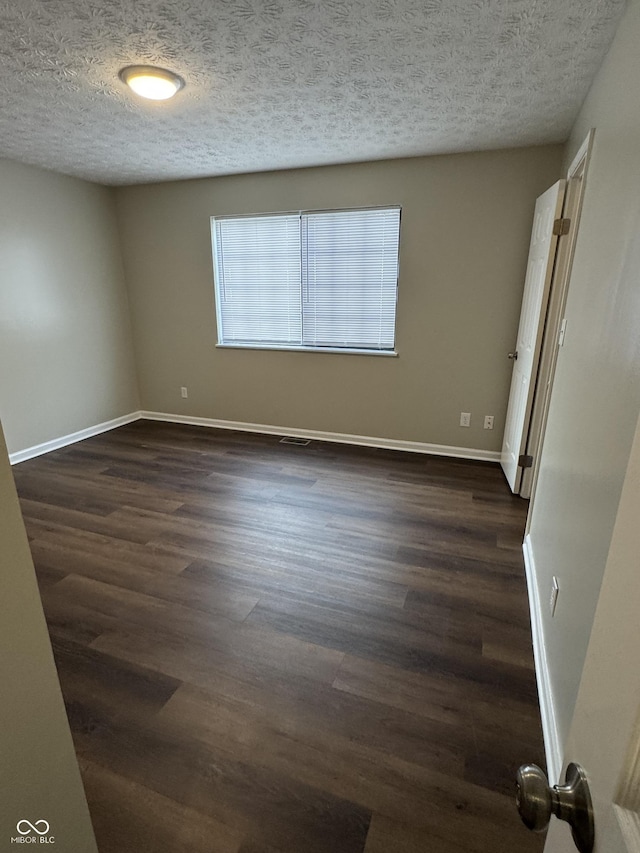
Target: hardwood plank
386,835
511,644
109,687
40,516
147,821
213,596
109,550
312,580
417,693
263,803
333,726
379,640
253,656
67,492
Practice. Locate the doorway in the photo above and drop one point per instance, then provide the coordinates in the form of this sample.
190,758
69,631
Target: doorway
532,382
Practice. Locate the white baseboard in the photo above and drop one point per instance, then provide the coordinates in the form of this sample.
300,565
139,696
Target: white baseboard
268,429
63,441
337,437
552,745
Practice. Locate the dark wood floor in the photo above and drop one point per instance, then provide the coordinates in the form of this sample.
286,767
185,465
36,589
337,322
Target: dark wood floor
275,649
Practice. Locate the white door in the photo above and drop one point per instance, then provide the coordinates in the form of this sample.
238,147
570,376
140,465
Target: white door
537,284
605,731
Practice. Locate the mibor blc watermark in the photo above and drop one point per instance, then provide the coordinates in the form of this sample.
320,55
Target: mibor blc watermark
33,833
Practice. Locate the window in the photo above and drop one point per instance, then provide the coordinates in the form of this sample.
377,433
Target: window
321,280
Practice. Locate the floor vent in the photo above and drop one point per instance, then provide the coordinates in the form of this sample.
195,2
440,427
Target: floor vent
291,439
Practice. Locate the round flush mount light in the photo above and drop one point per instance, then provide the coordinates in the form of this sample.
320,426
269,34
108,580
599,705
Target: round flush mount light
158,84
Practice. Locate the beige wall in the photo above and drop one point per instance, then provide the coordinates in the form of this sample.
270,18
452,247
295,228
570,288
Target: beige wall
66,360
38,770
596,395
466,223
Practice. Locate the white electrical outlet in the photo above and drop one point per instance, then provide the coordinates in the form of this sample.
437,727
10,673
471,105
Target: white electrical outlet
488,421
183,392
465,419
553,598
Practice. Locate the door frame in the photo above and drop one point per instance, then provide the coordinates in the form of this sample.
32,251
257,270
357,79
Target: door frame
576,172
572,208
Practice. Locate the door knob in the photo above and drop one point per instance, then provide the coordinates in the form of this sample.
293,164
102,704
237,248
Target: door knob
514,355
537,801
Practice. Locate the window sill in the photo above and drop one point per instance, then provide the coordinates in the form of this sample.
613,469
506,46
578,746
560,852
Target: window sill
334,350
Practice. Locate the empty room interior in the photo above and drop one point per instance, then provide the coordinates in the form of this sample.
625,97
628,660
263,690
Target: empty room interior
320,391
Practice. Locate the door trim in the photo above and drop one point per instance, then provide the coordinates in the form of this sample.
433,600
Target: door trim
555,312
550,731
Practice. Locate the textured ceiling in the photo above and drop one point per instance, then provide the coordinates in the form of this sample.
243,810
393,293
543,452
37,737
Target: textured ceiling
275,84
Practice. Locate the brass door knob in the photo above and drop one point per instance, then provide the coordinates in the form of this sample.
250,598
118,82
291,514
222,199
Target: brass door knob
537,801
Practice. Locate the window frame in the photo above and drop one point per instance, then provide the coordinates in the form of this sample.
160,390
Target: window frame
299,347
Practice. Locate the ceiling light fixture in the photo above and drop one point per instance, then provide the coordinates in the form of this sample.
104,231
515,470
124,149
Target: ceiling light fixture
158,84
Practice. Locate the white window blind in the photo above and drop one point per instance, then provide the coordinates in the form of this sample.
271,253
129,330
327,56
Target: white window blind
257,262
317,280
350,276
